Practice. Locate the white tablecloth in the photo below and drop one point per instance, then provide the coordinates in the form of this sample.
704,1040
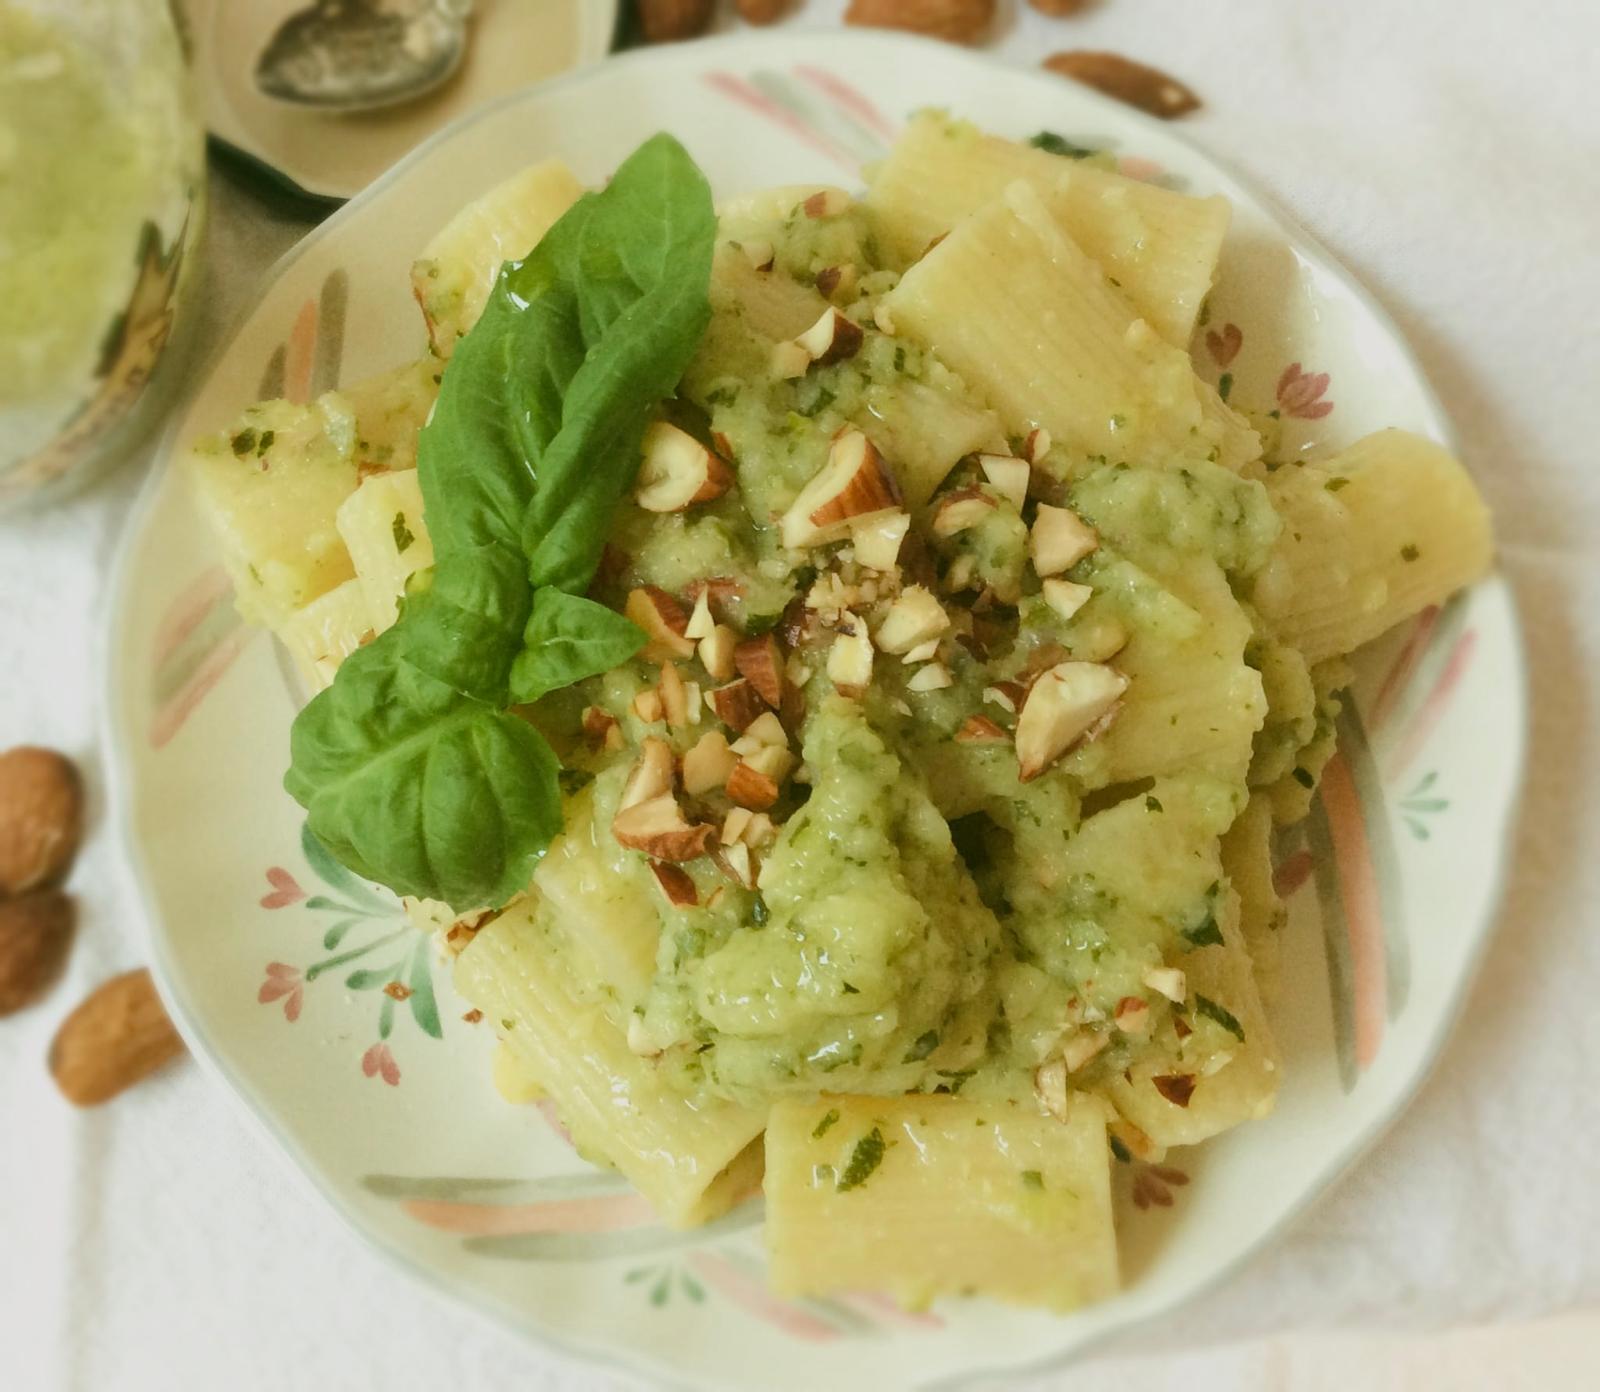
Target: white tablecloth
1447,150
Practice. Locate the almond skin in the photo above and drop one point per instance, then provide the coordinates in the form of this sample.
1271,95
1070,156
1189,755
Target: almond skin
675,884
665,21
958,21
760,662
118,1036
41,818
35,933
1149,89
751,788
760,11
737,704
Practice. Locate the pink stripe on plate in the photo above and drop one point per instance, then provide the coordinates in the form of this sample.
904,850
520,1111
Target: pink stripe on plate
1405,664
886,1309
188,611
1437,702
601,1213
167,720
1358,892
848,99
301,356
737,90
747,1291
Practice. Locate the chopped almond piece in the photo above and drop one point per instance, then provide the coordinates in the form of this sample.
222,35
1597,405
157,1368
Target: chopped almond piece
1008,695
768,729
708,764
1177,1088
677,471
736,823
775,763
759,662
1082,1047
759,254
934,677
675,884
1009,476
1037,445
598,726
789,359
663,621
854,484
647,705
716,652
1059,540
1064,705
751,788
748,744
836,282
1169,982
850,661
877,540
657,827
915,616
1050,1087
979,729
651,776
736,704
923,652
964,508
1065,597
758,831
691,696
883,317
735,862
833,338
1132,1015
963,570
701,623
826,202
674,697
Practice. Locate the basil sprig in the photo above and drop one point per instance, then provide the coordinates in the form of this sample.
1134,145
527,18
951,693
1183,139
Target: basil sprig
411,768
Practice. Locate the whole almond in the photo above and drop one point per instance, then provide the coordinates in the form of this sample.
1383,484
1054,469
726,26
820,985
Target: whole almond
958,21
664,21
118,1036
760,11
35,933
1147,88
41,818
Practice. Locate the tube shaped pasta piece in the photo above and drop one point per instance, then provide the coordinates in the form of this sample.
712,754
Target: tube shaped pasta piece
924,1196
1371,536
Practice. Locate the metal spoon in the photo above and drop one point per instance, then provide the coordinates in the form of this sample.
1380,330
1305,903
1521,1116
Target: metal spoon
354,55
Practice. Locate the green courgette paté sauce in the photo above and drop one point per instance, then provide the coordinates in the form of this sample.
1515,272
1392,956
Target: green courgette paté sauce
925,920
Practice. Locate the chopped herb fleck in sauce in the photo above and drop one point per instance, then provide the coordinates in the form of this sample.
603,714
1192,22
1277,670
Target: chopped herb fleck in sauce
829,1118
1204,1005
1032,1179
402,534
864,1159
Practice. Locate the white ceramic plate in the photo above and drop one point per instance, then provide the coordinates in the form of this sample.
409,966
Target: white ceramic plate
510,43
273,959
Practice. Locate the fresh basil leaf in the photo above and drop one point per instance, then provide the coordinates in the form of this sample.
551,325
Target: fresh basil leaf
413,784
536,432
410,768
570,638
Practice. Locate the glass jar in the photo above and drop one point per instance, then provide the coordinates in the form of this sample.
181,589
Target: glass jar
102,168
